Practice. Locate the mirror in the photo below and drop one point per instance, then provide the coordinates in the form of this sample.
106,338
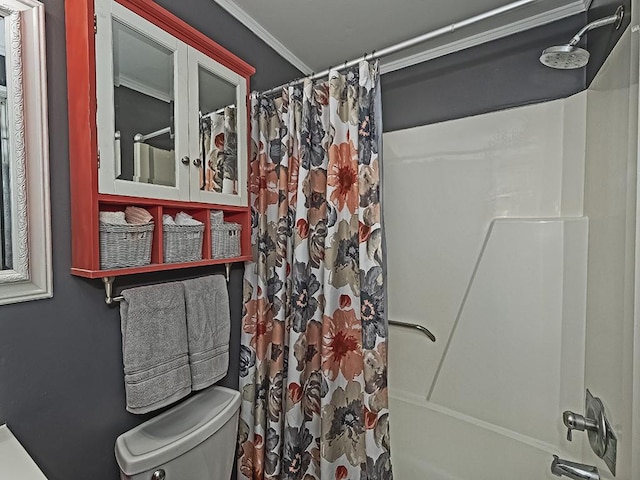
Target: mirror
25,247
144,108
168,119
144,104
6,238
218,133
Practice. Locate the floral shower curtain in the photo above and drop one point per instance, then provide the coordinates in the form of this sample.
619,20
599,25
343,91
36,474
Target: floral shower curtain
219,142
314,342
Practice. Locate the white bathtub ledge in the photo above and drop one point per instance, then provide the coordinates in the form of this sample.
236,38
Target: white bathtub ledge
15,462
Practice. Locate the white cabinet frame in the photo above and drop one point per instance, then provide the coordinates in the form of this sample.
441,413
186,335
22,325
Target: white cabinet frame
196,60
187,122
107,178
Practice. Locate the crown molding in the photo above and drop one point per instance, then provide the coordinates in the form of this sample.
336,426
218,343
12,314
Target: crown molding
249,22
578,6
124,81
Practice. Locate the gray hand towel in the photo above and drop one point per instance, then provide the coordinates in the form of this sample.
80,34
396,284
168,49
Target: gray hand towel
208,327
154,346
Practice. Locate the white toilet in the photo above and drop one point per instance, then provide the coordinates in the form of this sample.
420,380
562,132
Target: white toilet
194,440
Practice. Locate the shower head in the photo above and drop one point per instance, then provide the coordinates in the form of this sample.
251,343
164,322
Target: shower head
564,57
569,56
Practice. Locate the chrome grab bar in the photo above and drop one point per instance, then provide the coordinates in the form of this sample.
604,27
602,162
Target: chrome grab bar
415,326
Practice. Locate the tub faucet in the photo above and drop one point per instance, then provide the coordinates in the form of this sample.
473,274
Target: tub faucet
577,471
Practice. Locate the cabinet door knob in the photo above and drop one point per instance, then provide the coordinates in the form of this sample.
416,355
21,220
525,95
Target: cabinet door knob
197,162
185,160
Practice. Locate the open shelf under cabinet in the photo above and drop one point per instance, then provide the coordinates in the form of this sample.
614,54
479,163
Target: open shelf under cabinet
199,211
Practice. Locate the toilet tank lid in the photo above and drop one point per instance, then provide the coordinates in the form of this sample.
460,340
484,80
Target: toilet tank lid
176,431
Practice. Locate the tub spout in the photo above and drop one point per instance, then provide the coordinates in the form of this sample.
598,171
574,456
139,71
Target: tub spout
577,471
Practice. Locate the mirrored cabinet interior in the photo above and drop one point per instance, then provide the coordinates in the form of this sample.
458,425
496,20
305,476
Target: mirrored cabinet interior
158,122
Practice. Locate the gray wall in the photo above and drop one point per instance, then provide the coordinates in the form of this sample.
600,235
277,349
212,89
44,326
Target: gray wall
601,41
61,387
501,74
61,382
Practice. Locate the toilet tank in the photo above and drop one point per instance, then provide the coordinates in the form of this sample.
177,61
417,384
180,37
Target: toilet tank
194,440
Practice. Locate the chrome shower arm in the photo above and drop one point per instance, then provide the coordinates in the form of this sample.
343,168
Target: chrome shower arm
615,18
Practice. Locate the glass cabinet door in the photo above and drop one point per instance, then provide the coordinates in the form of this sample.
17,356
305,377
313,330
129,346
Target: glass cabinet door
217,127
142,109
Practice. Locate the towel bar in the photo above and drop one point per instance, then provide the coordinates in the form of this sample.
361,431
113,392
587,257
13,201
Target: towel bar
108,290
414,326
108,286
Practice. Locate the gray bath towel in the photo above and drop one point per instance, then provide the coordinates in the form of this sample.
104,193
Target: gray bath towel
154,346
208,327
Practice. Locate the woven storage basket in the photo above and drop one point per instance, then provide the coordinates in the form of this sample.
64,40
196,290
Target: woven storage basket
216,216
123,246
182,243
225,240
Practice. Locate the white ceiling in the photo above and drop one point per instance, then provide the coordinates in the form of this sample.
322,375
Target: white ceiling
316,34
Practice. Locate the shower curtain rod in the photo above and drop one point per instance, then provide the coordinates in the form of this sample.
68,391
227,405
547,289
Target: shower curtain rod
411,42
216,112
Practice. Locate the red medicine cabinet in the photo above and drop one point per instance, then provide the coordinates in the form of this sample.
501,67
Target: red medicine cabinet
143,86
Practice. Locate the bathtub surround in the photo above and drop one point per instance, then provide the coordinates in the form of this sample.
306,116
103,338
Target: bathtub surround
610,202
528,283
61,389
314,354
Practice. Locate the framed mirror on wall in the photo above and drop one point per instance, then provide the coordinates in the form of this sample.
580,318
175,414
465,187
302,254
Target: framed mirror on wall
25,232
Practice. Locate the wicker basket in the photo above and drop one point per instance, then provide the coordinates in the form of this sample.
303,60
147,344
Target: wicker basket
216,216
123,246
225,240
182,243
